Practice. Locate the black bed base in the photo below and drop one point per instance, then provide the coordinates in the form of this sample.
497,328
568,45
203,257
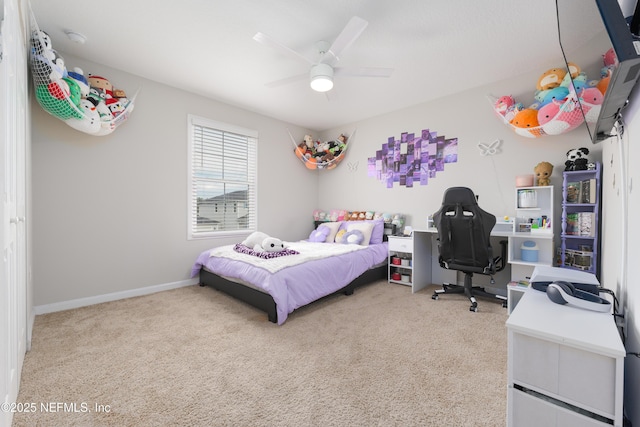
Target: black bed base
264,301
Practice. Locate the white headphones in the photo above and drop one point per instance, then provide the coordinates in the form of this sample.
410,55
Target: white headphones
565,293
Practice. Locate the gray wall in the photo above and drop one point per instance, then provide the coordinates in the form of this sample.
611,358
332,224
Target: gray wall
469,117
110,212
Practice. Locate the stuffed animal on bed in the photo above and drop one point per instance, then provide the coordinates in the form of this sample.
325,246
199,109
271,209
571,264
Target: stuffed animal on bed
271,244
262,242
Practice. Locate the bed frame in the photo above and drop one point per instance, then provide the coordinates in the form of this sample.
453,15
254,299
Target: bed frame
263,301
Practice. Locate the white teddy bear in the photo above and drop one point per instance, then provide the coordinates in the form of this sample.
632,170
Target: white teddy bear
262,242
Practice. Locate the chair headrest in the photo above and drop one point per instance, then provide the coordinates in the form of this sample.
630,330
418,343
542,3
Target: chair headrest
461,195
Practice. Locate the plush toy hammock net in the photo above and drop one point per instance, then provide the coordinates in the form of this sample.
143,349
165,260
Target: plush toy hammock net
566,116
69,95
317,155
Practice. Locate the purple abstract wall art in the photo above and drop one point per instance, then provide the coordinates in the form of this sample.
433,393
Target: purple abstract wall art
412,159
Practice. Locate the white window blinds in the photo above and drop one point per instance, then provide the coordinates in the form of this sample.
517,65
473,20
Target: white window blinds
223,176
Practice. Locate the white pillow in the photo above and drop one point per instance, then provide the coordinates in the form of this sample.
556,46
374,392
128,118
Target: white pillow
333,226
365,227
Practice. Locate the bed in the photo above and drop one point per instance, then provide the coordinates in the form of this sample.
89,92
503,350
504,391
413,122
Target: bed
278,286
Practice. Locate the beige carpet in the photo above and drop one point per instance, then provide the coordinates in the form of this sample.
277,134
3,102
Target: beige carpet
196,357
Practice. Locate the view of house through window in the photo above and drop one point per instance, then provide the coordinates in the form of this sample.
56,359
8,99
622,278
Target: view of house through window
222,175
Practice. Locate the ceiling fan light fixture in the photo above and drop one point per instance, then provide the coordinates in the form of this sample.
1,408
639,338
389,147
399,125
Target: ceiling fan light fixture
321,78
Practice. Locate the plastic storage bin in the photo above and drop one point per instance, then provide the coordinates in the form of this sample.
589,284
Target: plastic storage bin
529,251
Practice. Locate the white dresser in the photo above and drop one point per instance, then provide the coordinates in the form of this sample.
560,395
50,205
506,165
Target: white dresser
565,366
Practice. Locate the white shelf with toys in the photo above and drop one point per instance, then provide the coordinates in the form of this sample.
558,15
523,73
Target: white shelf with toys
532,242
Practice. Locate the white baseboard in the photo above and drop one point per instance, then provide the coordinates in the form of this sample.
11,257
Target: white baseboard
98,299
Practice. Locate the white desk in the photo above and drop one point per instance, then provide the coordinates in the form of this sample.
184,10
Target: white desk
565,365
519,269
422,248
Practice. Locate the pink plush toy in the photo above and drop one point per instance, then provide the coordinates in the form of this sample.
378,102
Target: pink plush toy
547,112
591,99
610,58
503,103
568,117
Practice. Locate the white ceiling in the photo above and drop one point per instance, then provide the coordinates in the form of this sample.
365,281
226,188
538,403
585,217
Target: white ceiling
437,48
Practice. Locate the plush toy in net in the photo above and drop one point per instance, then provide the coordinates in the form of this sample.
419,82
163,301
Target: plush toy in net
564,99
92,105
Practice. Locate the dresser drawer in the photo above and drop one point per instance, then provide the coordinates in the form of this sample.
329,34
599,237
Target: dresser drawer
583,378
401,244
530,411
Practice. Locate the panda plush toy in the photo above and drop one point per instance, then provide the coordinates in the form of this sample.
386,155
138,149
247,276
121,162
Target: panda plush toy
577,159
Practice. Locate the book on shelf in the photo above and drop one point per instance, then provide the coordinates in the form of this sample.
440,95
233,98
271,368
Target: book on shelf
571,225
580,224
587,224
582,260
588,191
573,192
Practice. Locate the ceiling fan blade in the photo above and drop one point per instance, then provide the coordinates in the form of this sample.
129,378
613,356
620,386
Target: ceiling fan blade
287,80
274,44
349,34
362,72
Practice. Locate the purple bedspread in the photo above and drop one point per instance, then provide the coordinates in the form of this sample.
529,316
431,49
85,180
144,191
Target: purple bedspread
298,285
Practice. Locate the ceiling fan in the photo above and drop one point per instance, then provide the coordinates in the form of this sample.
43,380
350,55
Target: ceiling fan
323,69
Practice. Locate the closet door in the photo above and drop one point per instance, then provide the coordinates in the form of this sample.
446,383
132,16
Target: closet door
13,135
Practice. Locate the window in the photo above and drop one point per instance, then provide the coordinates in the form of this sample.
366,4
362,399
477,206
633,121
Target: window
222,178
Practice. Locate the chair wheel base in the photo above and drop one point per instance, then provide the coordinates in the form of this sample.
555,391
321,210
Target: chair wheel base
434,296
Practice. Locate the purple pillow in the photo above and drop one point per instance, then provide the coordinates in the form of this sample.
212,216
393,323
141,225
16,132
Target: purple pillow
319,235
353,237
378,231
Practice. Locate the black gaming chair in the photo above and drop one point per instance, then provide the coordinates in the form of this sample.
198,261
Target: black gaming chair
464,243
